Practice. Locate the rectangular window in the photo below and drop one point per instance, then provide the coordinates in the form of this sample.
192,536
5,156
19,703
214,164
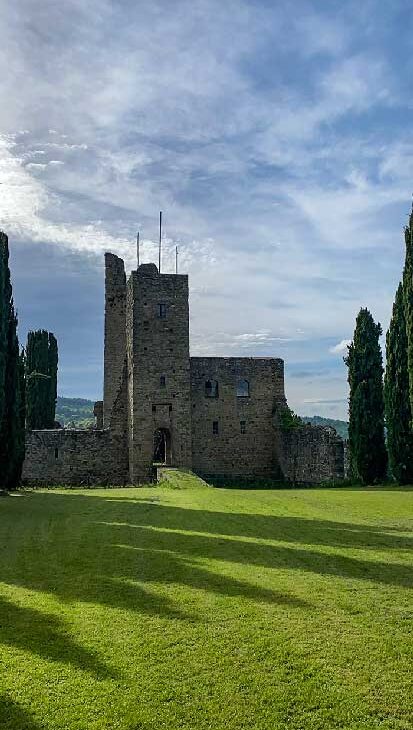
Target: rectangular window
153,409
56,453
162,381
243,426
162,311
215,428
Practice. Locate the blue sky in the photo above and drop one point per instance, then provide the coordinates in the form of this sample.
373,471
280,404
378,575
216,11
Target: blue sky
276,138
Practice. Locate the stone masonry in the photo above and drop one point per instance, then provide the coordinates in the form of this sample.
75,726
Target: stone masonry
218,416
248,392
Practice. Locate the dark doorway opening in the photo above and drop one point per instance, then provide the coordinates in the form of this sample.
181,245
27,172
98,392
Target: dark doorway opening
162,446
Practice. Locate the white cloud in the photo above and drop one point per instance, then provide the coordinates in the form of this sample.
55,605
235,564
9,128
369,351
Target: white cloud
340,348
36,166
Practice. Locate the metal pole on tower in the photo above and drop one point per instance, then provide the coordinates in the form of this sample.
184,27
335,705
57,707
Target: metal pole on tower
160,239
137,248
176,259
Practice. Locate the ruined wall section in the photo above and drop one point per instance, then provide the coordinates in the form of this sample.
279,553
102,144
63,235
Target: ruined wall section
311,454
115,334
158,367
75,458
245,444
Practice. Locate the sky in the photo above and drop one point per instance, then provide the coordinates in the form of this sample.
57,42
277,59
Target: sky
276,138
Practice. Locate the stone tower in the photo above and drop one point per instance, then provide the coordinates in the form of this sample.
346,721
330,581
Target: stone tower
158,369
115,333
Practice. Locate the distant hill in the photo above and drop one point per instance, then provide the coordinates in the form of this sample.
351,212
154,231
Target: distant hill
76,412
340,426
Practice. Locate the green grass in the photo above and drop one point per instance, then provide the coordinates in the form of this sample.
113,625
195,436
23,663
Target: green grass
205,609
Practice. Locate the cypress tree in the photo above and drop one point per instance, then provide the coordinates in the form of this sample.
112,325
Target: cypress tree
368,457
408,301
396,396
41,361
37,401
14,429
5,298
37,352
11,422
52,372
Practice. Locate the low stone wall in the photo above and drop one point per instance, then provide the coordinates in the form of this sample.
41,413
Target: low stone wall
75,458
311,455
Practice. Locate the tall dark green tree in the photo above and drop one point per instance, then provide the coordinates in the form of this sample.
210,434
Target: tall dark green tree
38,401
5,300
11,403
368,456
396,396
41,371
408,301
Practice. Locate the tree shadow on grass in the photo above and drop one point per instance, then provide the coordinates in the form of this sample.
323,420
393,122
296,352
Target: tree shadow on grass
161,565
44,634
265,527
76,560
117,579
257,554
14,717
119,552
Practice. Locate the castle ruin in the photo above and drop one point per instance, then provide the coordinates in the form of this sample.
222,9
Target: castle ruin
220,417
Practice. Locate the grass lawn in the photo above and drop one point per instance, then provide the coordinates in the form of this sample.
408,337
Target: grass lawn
204,608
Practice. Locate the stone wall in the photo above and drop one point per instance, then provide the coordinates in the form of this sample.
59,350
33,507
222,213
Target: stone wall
311,454
75,457
245,442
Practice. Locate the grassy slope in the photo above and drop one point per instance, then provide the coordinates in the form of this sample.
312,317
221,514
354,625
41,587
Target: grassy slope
201,608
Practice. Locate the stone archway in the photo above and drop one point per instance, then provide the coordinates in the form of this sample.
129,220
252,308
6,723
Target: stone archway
162,446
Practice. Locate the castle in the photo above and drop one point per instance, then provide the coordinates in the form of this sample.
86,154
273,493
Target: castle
221,417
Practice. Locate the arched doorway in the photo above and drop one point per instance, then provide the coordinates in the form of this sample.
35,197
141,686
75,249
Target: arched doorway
162,446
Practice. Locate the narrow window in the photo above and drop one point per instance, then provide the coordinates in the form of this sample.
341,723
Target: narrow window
243,426
162,381
162,311
243,389
153,409
56,453
215,429
211,389
170,408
